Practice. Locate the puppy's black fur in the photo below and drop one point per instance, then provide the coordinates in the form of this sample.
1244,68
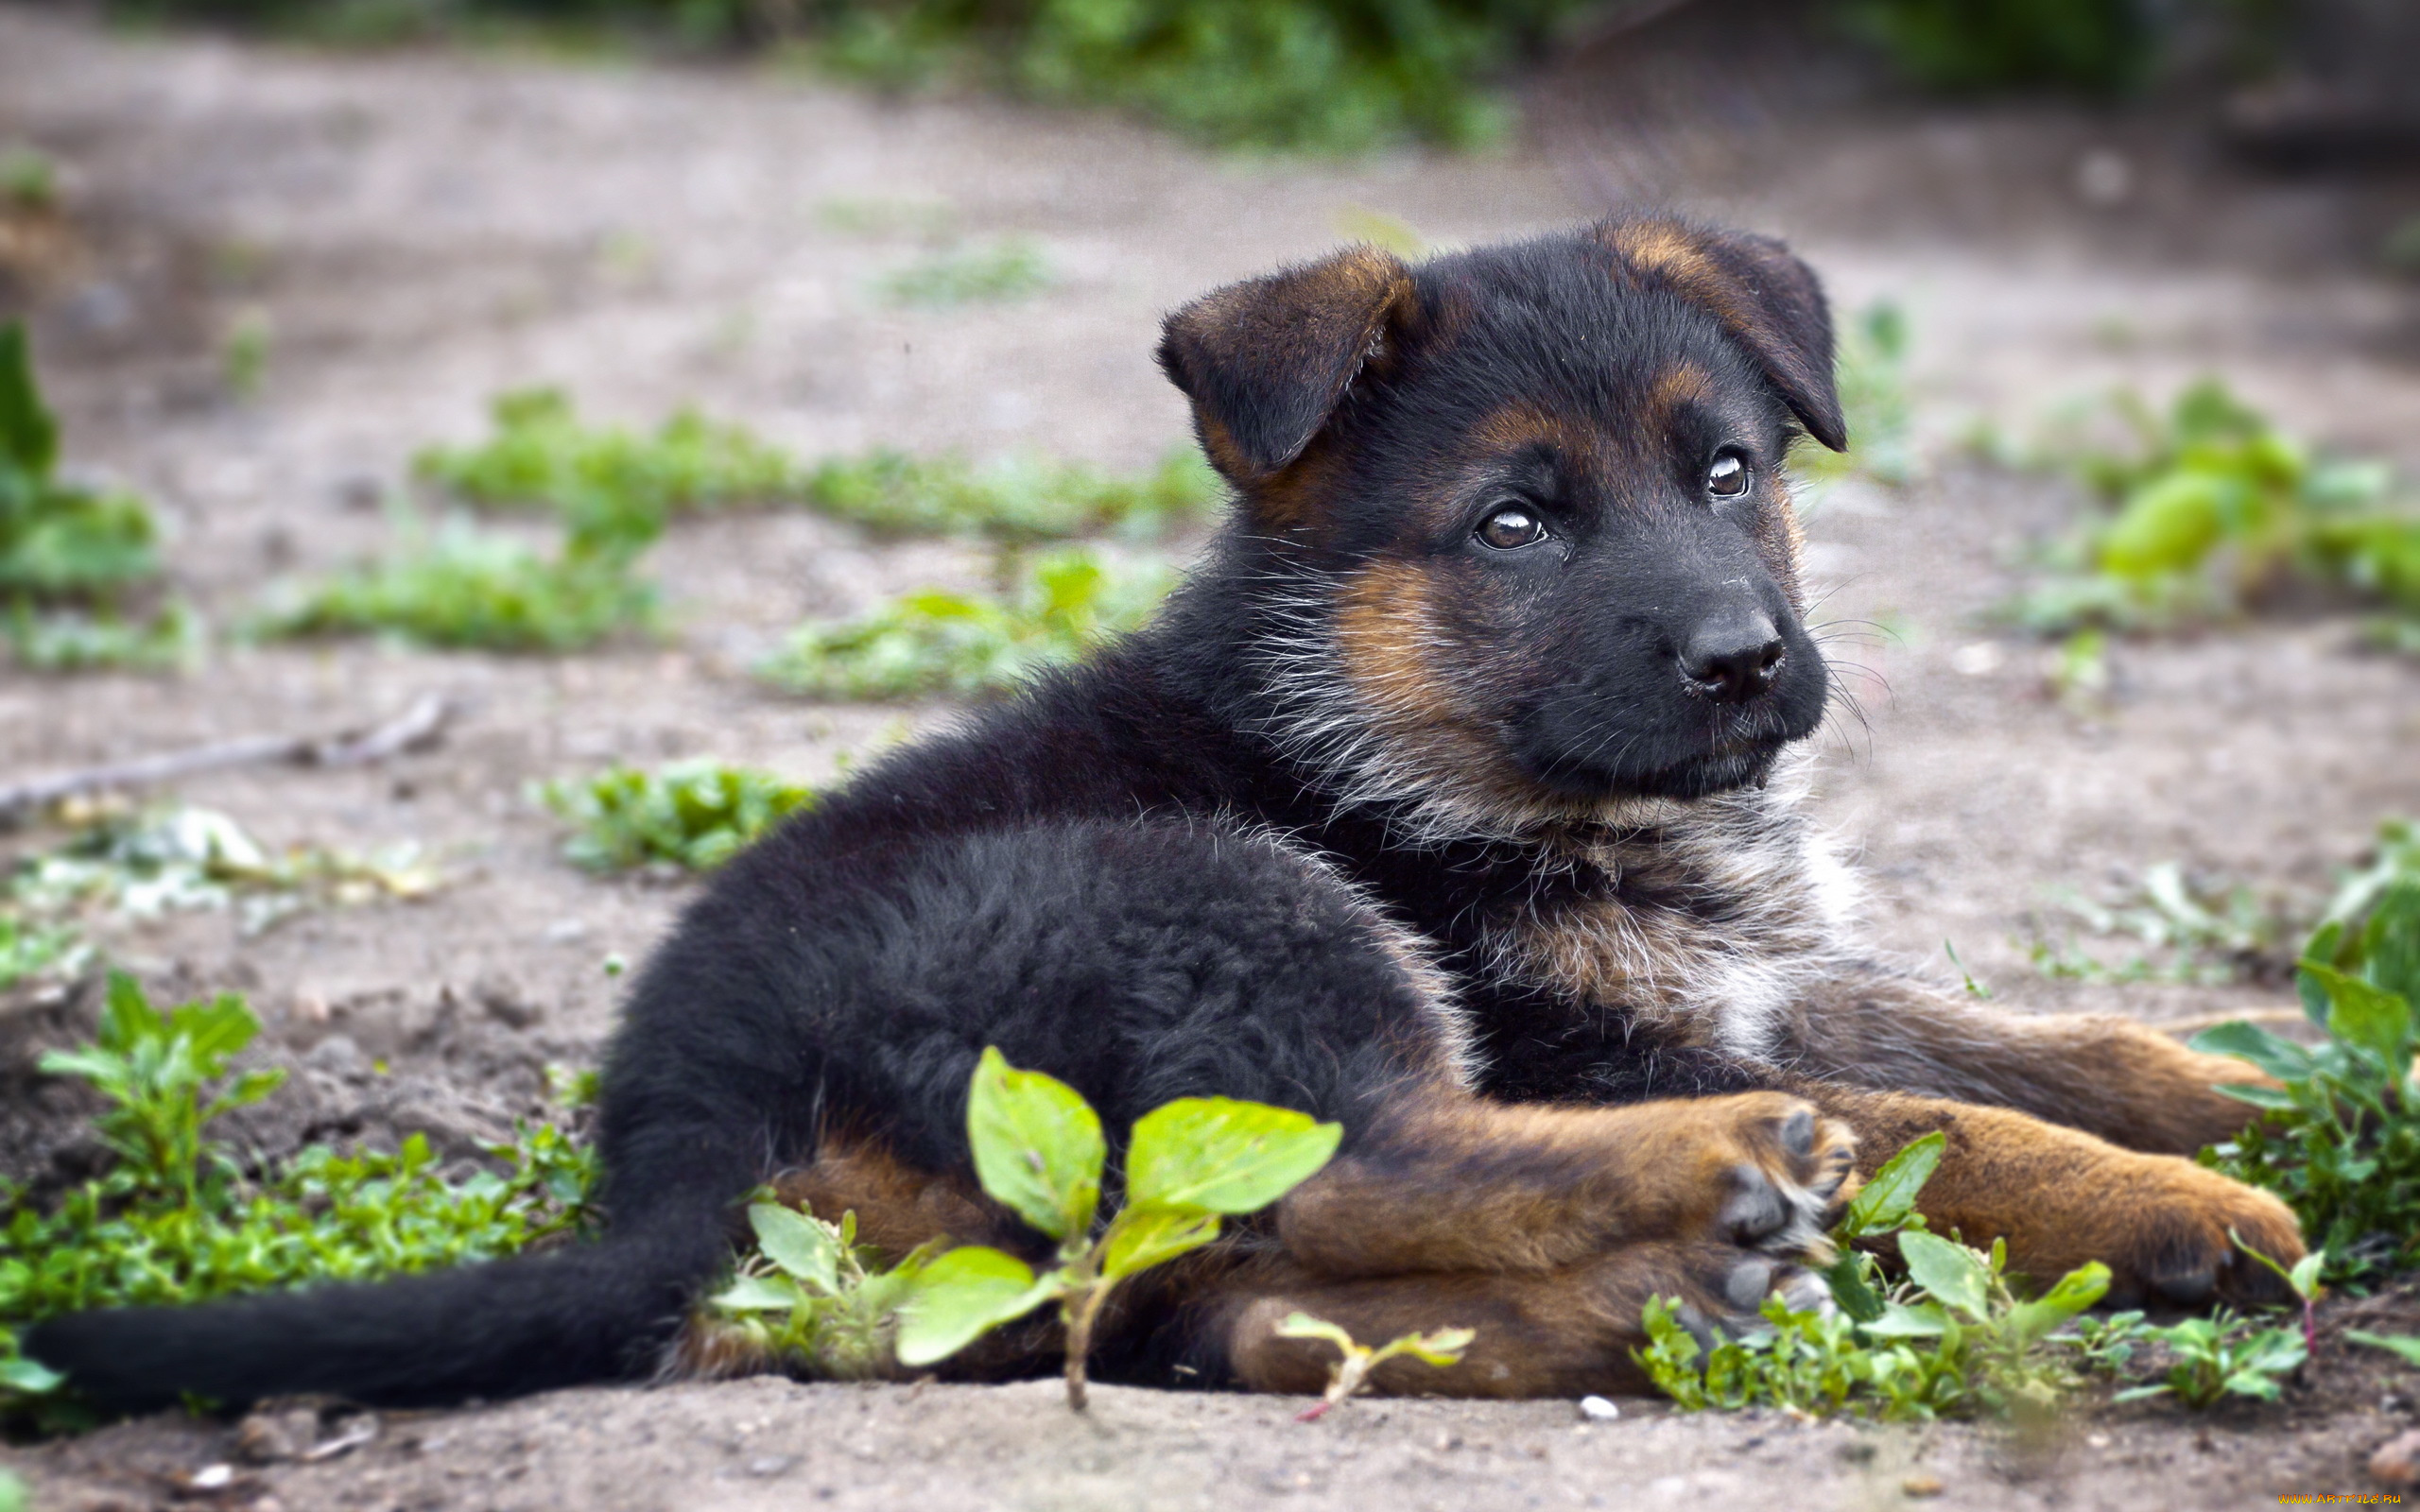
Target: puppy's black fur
1438,790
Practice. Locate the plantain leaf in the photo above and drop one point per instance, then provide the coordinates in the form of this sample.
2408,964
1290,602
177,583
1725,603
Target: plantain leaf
2281,1058
1949,1273
798,1243
1220,1155
1037,1146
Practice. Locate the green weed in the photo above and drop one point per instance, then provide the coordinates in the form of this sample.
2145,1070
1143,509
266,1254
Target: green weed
74,639
71,557
938,644
1011,268
463,588
812,1294
2194,933
1872,379
542,454
696,814
2222,1356
2214,509
1355,1360
2338,1138
179,1217
28,180
1038,1151
32,952
243,358
1954,1339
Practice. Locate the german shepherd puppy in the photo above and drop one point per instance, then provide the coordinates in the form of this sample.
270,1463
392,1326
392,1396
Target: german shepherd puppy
1453,798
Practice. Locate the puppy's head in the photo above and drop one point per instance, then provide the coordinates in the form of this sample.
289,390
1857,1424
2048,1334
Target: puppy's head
1529,544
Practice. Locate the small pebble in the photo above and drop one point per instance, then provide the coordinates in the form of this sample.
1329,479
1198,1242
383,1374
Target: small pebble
1921,1485
1598,1409
213,1478
771,1465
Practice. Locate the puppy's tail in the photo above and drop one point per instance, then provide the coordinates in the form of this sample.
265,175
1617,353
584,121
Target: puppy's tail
593,1313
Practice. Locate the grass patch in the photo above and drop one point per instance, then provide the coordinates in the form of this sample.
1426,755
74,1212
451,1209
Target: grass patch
1872,372
180,1218
541,453
2214,510
1011,268
938,644
74,560
2338,1138
462,588
692,815
2192,930
2100,48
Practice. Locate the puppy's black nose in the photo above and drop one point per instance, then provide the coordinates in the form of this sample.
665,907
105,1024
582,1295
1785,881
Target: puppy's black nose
1733,658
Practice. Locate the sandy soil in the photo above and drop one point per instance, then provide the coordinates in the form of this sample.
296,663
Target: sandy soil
422,231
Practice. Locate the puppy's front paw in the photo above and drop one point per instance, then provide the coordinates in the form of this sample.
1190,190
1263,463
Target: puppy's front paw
2169,1232
1777,1172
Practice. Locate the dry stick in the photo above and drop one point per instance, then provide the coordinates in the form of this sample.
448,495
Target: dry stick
416,726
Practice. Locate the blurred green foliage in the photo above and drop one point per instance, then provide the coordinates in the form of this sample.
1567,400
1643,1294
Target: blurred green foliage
72,556
1964,46
2213,509
543,453
938,644
1011,268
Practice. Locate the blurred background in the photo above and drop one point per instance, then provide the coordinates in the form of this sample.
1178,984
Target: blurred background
640,412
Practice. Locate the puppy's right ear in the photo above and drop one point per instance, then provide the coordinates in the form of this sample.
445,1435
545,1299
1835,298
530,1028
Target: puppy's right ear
1266,361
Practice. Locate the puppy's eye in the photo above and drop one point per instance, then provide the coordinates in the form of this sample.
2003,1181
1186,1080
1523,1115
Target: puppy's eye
1512,528
1727,478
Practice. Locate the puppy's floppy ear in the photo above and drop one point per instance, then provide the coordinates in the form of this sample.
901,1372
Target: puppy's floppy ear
1768,300
1265,361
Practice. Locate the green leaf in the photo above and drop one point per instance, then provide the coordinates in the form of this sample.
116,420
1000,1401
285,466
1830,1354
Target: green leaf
1949,1272
760,1294
1037,1146
31,1377
1304,1326
1140,1238
1926,1320
28,432
1845,1276
2077,1291
1220,1155
2258,1096
963,1294
1441,1349
2281,1058
2403,1347
1883,1204
2364,1015
797,1244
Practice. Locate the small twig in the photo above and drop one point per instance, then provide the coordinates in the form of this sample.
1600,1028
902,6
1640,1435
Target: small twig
417,726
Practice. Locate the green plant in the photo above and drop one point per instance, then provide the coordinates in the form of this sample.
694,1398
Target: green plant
543,453
1011,268
2217,1357
2099,47
1016,500
941,643
179,1217
2336,1137
1953,1339
28,180
243,358
32,952
811,1294
74,639
2215,508
461,587
1872,369
61,545
1038,1151
2402,1346
1355,1360
693,813
2193,932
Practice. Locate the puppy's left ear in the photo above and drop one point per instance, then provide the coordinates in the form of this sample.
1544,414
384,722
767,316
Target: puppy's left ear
1267,361
1768,300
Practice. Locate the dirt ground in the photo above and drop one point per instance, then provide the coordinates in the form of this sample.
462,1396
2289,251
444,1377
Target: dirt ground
420,230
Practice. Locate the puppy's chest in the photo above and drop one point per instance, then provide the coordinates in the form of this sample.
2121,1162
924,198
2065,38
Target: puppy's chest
1692,953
